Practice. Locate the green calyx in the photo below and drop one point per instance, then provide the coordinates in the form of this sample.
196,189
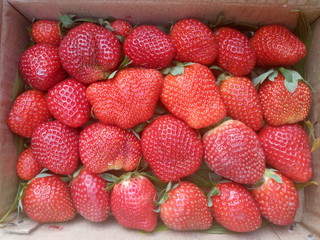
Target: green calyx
177,68
164,196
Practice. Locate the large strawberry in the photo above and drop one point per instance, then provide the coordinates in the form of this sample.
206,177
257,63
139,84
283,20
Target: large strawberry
105,147
28,111
194,42
172,149
132,203
68,103
90,198
40,66
233,150
277,198
27,165
46,31
128,99
186,208
276,46
236,53
56,147
89,52
148,47
287,149
242,102
235,208
193,96
48,199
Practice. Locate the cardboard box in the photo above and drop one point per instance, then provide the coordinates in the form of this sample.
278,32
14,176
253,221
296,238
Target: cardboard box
16,16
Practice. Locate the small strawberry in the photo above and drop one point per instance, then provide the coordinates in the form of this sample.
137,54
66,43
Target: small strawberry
287,149
56,147
68,103
90,198
104,147
235,208
171,148
186,208
233,150
27,165
277,198
194,42
46,31
276,46
242,102
48,199
121,27
132,203
90,52
193,96
236,53
128,99
28,111
40,66
148,47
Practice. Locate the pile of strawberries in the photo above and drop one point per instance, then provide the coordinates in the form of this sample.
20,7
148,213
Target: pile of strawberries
181,100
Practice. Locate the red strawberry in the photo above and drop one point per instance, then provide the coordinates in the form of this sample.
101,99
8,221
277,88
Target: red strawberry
276,46
68,103
194,96
186,208
148,47
27,165
89,52
283,104
233,150
287,149
172,149
28,111
128,99
132,203
90,198
277,198
236,53
194,42
56,147
242,102
46,31
121,27
235,208
48,199
104,147
40,66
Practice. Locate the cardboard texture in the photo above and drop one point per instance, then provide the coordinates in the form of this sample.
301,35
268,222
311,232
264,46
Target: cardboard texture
17,14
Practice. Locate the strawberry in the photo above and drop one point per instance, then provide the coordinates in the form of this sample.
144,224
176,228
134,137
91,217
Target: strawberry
121,27
186,208
276,46
40,66
193,96
148,47
236,53
132,203
283,103
277,198
27,165
128,99
56,147
242,102
194,42
89,52
90,198
233,150
287,149
48,199
171,148
46,31
68,103
104,147
235,208
28,111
